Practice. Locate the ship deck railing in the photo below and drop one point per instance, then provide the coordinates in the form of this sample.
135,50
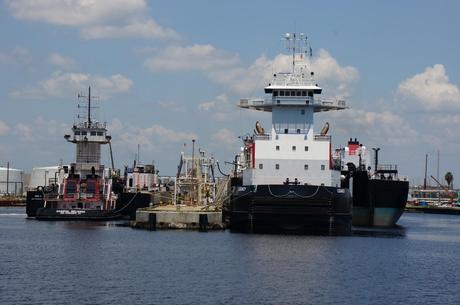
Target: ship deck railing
387,169
319,137
292,100
262,137
291,79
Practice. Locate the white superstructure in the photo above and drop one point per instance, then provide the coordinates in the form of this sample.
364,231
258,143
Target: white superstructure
142,177
354,153
291,151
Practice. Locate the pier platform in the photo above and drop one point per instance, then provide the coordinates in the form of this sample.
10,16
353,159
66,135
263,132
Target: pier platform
453,210
12,202
201,218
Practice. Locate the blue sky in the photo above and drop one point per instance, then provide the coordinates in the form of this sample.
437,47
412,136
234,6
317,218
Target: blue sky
169,71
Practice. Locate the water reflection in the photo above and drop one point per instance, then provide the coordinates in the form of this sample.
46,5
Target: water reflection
88,225
391,232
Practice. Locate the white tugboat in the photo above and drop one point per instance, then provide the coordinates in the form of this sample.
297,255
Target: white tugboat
286,179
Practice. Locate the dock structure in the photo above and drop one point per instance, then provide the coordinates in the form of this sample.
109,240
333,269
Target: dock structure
202,218
195,202
432,209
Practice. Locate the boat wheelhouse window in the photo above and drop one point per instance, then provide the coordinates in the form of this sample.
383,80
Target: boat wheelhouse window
323,167
93,133
288,93
91,187
275,92
277,147
302,111
306,148
100,133
310,93
70,187
286,130
77,133
294,148
281,93
83,133
305,167
304,93
261,166
277,166
298,93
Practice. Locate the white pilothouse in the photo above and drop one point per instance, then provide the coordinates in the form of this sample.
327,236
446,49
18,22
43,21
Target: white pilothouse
291,151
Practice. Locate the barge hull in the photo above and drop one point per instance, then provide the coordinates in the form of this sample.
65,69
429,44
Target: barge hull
291,209
378,202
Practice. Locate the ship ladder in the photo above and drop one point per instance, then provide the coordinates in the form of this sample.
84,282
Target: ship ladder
251,216
331,217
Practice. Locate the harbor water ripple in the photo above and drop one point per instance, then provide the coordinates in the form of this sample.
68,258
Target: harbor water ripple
104,263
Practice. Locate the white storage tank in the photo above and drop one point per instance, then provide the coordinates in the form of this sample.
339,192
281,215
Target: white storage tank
42,176
11,181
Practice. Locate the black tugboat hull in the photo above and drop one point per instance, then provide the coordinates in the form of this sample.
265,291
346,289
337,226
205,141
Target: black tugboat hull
126,207
303,209
378,202
34,201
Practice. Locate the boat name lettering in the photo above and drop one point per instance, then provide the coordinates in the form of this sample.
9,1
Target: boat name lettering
70,212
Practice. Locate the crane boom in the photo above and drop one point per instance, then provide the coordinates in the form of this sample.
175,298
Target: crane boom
449,193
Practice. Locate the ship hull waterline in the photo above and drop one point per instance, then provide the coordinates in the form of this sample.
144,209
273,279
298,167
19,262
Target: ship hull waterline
299,209
377,202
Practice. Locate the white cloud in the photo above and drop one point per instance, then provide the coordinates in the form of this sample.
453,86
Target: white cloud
222,109
60,84
378,126
24,132
115,126
18,55
259,73
150,137
95,18
219,101
4,128
61,61
195,57
74,12
431,89
444,119
147,28
226,68
40,129
326,68
224,137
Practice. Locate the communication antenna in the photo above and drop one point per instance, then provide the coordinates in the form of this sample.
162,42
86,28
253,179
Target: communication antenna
298,44
86,114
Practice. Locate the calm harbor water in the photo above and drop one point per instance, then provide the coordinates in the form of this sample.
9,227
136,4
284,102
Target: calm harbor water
102,263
